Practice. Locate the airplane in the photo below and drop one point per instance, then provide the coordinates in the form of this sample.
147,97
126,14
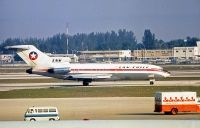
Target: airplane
42,64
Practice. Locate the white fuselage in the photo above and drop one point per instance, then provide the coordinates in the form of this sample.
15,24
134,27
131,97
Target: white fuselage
42,64
118,71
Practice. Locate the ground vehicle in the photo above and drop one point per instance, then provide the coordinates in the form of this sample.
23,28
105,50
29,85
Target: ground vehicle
174,102
41,113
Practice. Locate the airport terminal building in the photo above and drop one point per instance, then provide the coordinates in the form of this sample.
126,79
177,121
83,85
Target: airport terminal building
153,56
105,56
185,53
6,58
176,55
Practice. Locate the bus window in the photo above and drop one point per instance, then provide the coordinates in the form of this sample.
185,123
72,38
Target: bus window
45,110
31,110
52,110
39,110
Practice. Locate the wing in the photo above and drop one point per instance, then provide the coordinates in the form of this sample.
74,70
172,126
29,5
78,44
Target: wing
89,76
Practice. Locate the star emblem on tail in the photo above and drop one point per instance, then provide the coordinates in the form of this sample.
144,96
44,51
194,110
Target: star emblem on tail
33,55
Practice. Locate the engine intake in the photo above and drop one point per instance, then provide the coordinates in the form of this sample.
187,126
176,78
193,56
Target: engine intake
59,70
29,71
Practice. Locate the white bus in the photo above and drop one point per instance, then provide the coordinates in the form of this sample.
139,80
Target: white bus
41,113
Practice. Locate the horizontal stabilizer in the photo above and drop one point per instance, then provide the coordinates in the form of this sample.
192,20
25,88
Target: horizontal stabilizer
16,47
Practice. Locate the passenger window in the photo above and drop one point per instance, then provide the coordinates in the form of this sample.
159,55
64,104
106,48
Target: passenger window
36,110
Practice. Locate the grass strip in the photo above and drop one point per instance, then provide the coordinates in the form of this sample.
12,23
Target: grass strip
70,92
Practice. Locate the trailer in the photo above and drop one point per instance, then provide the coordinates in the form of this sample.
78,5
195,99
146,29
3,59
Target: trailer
174,102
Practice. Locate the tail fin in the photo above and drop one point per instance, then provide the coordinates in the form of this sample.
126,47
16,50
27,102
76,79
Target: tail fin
32,56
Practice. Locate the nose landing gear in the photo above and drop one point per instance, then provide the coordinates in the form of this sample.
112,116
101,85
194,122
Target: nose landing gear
151,79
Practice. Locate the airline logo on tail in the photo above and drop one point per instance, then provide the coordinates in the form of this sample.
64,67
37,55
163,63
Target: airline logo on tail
33,55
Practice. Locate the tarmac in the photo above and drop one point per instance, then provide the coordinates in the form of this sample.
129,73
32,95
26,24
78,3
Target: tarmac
11,86
105,108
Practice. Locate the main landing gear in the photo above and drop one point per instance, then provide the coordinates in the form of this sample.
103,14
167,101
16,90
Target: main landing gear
86,82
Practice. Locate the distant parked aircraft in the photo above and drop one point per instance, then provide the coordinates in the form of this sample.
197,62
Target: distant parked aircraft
44,65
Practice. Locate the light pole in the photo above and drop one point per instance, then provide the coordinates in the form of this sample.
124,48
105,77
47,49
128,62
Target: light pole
185,41
143,51
67,26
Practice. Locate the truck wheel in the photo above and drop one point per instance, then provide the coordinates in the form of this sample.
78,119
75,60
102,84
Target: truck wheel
32,119
174,111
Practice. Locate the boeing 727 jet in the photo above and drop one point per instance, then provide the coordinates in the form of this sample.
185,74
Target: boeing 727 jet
42,64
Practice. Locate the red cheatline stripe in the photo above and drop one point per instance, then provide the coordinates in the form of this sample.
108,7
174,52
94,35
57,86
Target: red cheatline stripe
153,69
115,70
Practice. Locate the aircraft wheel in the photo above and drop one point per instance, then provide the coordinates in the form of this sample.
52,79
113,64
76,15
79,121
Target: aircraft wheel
151,83
85,83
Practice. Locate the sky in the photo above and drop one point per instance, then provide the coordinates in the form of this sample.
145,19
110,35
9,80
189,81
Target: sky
168,19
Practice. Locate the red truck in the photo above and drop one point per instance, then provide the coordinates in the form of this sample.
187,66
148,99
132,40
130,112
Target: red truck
174,102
